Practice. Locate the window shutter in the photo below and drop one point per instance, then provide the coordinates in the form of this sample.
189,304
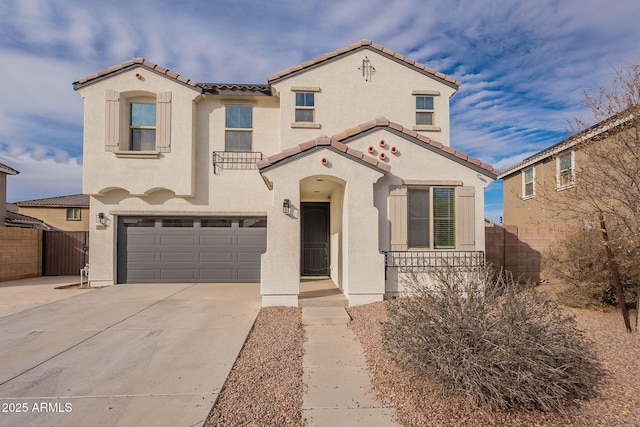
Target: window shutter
398,218
163,123
112,121
466,218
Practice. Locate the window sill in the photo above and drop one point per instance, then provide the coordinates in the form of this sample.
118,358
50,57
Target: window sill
305,125
565,187
137,154
427,128
74,219
533,196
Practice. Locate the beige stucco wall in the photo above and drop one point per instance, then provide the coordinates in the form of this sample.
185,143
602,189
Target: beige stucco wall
103,171
57,217
360,265
346,99
535,211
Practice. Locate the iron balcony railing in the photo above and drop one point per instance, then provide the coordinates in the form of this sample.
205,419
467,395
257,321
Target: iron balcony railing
433,259
235,160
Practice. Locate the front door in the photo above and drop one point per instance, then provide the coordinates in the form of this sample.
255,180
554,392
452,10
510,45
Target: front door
315,239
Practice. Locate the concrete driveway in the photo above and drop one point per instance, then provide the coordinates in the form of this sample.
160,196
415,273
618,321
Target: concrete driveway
127,355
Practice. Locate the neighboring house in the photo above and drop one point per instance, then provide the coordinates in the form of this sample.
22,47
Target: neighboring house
67,213
4,172
320,172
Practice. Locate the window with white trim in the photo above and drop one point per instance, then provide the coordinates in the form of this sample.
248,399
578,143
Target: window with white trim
528,183
238,128
305,107
565,170
431,218
424,110
73,214
142,126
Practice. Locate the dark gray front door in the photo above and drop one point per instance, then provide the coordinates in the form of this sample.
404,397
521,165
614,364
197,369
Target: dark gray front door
184,250
315,239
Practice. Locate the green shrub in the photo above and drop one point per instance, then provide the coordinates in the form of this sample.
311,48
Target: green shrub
499,343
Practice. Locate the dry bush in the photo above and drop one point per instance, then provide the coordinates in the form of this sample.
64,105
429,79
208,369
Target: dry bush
578,260
497,342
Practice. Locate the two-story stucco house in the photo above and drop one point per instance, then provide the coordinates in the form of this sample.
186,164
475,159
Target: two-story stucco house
319,172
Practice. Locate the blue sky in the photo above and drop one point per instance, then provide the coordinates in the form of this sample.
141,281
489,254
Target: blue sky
524,65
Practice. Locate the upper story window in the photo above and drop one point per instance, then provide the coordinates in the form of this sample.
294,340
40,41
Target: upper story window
305,107
73,214
565,170
528,183
142,126
238,128
424,110
427,224
138,124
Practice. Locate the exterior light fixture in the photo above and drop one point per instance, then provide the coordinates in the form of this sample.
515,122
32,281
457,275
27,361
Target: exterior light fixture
368,70
102,219
286,207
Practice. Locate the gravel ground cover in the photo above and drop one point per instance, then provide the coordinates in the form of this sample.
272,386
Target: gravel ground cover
265,385
424,403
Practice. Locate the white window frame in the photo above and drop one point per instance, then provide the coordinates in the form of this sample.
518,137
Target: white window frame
141,100
238,129
526,196
306,125
73,216
571,171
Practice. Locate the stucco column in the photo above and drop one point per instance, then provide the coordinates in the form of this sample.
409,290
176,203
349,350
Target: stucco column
280,266
364,264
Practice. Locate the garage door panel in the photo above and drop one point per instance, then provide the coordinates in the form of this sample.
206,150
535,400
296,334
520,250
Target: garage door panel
202,253
216,257
221,240
177,239
177,275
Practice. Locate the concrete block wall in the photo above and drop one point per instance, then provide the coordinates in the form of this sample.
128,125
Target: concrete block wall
20,253
518,249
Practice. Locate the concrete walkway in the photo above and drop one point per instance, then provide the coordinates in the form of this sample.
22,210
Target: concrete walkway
338,391
129,355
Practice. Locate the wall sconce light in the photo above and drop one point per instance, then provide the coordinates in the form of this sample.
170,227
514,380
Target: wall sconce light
102,219
286,207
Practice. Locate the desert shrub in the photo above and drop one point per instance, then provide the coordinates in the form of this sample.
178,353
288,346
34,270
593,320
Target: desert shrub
579,261
495,341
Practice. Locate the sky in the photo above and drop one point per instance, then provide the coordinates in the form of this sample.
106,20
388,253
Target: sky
524,65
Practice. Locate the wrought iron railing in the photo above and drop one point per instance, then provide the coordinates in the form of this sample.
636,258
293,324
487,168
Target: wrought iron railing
235,160
432,259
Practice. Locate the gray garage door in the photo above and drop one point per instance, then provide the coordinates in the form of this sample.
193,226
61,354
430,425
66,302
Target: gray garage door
178,250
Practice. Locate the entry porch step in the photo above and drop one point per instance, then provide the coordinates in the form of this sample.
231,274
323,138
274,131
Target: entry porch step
320,292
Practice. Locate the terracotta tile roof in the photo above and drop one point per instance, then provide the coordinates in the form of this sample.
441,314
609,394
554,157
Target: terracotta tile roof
71,201
8,170
133,63
366,44
235,88
338,142
15,219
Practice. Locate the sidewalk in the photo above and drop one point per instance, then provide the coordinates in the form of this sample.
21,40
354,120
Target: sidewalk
338,389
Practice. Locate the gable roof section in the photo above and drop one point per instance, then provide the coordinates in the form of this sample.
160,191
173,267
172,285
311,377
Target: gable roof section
361,45
18,220
590,133
8,170
338,143
131,64
71,201
316,144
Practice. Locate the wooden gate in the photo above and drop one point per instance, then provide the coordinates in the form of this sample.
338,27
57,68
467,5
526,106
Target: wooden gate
64,252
